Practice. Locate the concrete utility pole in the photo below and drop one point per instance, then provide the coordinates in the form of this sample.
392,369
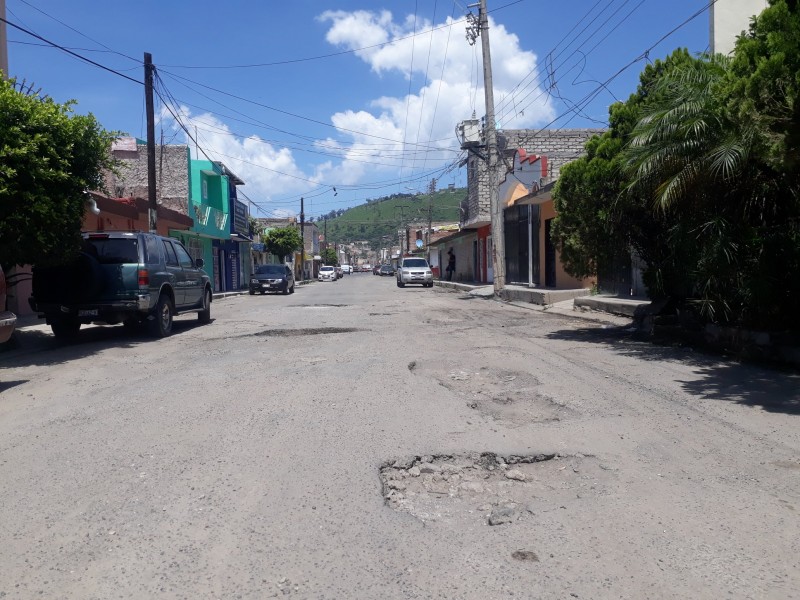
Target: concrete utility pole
151,140
403,226
302,242
496,211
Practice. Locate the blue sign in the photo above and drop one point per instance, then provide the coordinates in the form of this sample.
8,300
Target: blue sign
240,218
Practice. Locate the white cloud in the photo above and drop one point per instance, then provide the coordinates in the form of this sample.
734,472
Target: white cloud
451,86
268,171
391,137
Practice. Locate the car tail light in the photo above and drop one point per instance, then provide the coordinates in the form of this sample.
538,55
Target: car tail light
144,278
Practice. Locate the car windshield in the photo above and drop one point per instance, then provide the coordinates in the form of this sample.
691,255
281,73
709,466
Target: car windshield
326,268
270,270
415,262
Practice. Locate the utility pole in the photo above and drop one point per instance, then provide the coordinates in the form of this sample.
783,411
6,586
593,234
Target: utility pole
302,242
3,41
326,236
428,232
152,203
403,226
496,211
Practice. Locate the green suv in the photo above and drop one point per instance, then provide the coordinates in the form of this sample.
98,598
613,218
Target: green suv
134,278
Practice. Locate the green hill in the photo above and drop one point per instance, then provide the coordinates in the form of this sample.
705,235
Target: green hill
380,219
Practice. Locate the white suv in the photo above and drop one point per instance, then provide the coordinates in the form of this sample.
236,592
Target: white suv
414,270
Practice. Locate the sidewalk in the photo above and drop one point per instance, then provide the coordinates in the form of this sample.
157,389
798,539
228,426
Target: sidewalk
573,303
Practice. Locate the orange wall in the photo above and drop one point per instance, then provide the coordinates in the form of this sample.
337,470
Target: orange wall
564,281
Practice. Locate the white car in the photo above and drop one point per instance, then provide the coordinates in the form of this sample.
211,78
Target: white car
414,270
327,273
347,269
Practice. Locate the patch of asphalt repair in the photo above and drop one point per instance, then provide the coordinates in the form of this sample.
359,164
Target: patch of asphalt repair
510,397
321,306
491,488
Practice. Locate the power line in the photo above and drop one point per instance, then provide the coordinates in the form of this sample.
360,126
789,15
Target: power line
70,52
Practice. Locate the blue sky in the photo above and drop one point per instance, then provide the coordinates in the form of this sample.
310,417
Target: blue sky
298,98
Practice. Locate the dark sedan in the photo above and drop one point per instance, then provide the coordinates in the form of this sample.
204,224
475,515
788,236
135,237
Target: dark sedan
272,278
386,270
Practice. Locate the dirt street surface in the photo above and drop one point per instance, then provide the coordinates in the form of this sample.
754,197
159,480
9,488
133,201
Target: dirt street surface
356,440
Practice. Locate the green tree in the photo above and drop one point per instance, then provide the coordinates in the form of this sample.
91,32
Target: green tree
596,221
717,156
282,241
329,256
49,158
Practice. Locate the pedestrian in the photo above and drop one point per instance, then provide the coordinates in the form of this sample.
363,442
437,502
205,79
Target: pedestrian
451,264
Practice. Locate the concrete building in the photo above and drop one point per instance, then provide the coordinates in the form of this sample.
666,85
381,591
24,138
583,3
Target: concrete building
473,247
728,19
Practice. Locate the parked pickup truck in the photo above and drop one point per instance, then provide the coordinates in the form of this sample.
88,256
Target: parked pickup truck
134,278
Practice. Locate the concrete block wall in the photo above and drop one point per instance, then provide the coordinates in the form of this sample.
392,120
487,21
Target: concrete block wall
561,146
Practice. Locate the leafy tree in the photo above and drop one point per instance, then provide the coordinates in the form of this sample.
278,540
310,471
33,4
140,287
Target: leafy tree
49,158
596,222
717,156
256,228
282,241
329,256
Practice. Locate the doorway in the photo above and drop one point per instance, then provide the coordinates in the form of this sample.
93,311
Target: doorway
549,256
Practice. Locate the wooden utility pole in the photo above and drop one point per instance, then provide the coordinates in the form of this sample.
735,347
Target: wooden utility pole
3,41
152,202
496,211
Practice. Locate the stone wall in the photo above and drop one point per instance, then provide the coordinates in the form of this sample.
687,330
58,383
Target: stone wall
172,175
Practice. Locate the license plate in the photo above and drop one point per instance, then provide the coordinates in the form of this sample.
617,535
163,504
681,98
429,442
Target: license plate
88,313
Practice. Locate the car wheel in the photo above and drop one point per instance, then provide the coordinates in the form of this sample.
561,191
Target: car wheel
161,324
400,283
204,314
66,328
291,289
252,292
286,289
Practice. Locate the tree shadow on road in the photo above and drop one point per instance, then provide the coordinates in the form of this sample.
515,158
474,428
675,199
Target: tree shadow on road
775,388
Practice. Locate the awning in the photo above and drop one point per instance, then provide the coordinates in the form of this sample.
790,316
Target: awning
540,196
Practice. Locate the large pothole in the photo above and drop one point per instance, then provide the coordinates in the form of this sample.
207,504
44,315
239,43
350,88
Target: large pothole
488,487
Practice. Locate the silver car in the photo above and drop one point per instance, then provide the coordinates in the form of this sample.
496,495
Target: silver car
414,270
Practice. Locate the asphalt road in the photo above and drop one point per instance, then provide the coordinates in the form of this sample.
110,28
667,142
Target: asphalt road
356,440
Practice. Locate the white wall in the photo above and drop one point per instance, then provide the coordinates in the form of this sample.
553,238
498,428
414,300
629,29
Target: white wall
728,18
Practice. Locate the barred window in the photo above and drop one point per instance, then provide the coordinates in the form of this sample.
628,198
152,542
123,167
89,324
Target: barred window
194,247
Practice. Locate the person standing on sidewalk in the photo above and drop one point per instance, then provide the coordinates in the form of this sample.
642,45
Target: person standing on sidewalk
451,264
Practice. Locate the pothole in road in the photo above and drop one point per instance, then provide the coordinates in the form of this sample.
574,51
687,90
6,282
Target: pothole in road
491,488
506,396
306,331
